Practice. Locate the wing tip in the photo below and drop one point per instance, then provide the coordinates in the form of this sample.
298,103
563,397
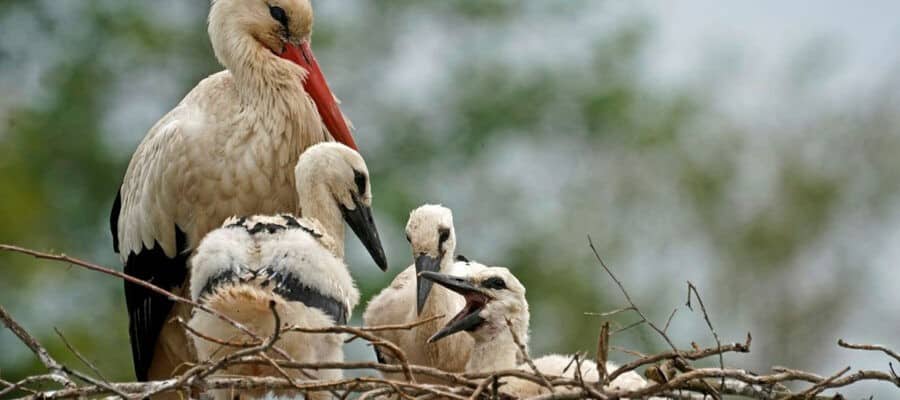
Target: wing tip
114,219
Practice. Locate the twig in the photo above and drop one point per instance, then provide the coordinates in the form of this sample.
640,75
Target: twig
669,320
819,387
147,285
374,340
218,341
628,297
640,313
609,313
692,355
80,357
603,353
709,324
524,351
481,386
52,365
20,385
870,347
399,327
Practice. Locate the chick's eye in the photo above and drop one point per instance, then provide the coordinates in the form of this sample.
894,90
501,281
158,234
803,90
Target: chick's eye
495,282
279,15
444,234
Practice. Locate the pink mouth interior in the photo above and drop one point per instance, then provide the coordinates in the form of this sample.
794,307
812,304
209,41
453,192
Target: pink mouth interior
475,301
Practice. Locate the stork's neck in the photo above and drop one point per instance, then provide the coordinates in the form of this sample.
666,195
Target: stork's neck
316,202
497,354
495,348
262,78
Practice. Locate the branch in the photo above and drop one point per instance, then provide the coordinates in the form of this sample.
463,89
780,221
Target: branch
709,324
870,347
55,368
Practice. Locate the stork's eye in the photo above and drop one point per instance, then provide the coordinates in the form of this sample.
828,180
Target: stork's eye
279,15
494,282
444,234
360,179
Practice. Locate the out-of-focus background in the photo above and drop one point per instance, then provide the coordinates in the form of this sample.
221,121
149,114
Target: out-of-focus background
753,149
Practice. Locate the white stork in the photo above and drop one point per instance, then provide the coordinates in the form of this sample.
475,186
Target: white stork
239,269
297,263
493,295
431,235
228,148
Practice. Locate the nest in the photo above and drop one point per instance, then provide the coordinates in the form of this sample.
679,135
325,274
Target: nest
670,374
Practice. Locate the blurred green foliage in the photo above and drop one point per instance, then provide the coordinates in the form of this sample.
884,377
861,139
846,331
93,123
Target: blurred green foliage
532,158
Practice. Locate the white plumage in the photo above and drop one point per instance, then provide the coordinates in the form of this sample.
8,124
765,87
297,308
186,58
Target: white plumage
228,148
432,238
297,263
493,295
248,263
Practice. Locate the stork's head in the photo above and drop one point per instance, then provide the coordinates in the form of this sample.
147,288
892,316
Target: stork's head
333,181
493,296
431,235
247,33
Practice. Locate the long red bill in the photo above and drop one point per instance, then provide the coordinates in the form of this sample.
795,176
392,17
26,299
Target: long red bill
317,88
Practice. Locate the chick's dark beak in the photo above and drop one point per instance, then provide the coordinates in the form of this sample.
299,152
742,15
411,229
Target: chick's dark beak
468,319
363,225
424,263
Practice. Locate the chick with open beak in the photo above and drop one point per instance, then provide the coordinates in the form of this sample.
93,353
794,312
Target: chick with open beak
493,296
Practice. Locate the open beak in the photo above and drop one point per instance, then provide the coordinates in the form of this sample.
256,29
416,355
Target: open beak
317,88
467,319
424,263
363,225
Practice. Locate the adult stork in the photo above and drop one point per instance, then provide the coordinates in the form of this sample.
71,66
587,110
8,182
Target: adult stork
228,148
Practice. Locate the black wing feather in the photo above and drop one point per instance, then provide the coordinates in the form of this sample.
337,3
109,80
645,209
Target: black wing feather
147,311
114,220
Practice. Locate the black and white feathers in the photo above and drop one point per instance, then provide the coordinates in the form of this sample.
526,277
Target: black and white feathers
291,258
240,269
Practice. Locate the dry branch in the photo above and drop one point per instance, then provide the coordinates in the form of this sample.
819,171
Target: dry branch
675,378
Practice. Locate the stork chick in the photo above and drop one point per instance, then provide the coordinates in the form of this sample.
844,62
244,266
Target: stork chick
494,296
431,235
295,263
228,148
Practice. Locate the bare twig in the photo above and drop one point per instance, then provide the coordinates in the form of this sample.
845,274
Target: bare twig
80,357
819,387
869,347
669,320
709,324
524,351
609,313
51,364
147,285
374,340
661,332
603,354
399,327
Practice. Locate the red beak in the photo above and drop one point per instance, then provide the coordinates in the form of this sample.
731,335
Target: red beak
317,88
